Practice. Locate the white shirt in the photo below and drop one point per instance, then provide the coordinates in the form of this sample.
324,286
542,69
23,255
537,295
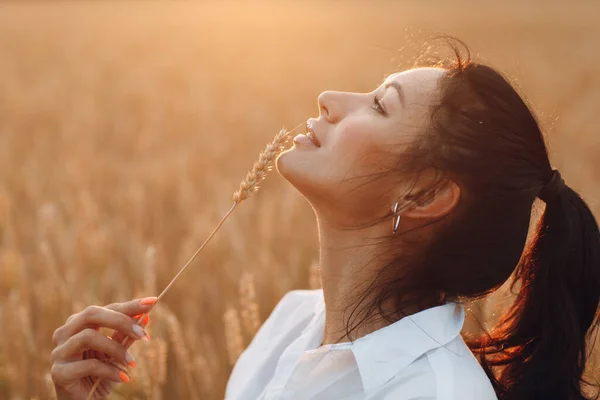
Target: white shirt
419,357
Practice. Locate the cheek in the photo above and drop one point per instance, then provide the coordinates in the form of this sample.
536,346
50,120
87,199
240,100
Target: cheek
359,145
354,137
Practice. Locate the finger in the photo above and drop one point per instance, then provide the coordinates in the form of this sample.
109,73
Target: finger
89,339
72,325
133,307
94,354
66,373
94,316
119,336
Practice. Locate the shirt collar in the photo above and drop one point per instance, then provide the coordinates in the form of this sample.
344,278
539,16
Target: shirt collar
381,354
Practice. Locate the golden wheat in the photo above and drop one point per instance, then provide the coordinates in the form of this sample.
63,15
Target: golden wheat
233,333
249,313
248,186
261,166
182,352
110,141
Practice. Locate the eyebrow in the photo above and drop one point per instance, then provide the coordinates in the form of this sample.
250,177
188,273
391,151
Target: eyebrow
398,88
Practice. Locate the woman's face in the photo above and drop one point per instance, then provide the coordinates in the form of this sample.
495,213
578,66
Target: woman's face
360,134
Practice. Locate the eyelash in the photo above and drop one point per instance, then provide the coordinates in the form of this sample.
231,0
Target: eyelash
378,107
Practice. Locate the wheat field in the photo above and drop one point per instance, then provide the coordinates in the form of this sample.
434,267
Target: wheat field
125,127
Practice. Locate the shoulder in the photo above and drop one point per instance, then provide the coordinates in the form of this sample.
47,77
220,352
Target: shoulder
291,313
257,363
288,318
293,304
458,374
450,372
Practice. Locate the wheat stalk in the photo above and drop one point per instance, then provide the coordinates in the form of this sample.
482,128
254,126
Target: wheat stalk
249,313
233,334
248,186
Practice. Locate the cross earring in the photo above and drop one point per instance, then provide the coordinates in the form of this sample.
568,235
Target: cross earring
396,220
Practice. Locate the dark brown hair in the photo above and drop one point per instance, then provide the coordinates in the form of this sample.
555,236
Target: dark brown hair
485,138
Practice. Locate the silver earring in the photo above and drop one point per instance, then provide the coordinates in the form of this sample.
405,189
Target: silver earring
396,218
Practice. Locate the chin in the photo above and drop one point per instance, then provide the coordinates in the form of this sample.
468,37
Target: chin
281,163
293,168
285,163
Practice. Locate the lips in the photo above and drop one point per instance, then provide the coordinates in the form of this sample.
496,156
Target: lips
310,133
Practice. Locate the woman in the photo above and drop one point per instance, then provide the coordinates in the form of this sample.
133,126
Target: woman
423,191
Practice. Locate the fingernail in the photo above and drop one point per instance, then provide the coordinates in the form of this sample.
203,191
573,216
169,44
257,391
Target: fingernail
146,320
130,360
148,301
139,331
123,376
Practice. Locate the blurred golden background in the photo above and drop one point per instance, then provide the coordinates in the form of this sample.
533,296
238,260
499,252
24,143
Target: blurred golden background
125,127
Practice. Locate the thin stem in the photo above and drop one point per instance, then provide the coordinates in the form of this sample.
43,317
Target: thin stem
125,341
196,253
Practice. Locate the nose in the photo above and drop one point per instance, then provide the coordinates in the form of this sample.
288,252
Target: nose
330,106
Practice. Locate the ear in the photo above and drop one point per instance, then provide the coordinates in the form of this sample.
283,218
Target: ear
435,205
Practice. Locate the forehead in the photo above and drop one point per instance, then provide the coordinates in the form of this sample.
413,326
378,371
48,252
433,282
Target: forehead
417,82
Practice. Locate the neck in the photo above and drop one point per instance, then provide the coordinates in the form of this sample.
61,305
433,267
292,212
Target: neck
348,263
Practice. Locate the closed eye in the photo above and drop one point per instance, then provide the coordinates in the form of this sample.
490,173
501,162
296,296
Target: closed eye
378,105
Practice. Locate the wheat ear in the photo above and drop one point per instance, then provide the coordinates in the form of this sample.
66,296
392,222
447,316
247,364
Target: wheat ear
248,186
261,166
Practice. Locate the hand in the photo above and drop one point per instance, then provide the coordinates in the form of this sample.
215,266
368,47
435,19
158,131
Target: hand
80,348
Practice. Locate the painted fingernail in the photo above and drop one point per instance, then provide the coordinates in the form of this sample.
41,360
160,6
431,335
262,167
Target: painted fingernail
123,376
130,360
146,320
139,331
148,301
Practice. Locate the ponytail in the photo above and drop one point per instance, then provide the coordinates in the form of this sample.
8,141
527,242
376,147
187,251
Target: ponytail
540,346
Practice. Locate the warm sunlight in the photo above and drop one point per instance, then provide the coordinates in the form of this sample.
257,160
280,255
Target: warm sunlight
125,127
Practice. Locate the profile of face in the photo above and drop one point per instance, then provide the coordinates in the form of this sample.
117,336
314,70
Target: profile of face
359,136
